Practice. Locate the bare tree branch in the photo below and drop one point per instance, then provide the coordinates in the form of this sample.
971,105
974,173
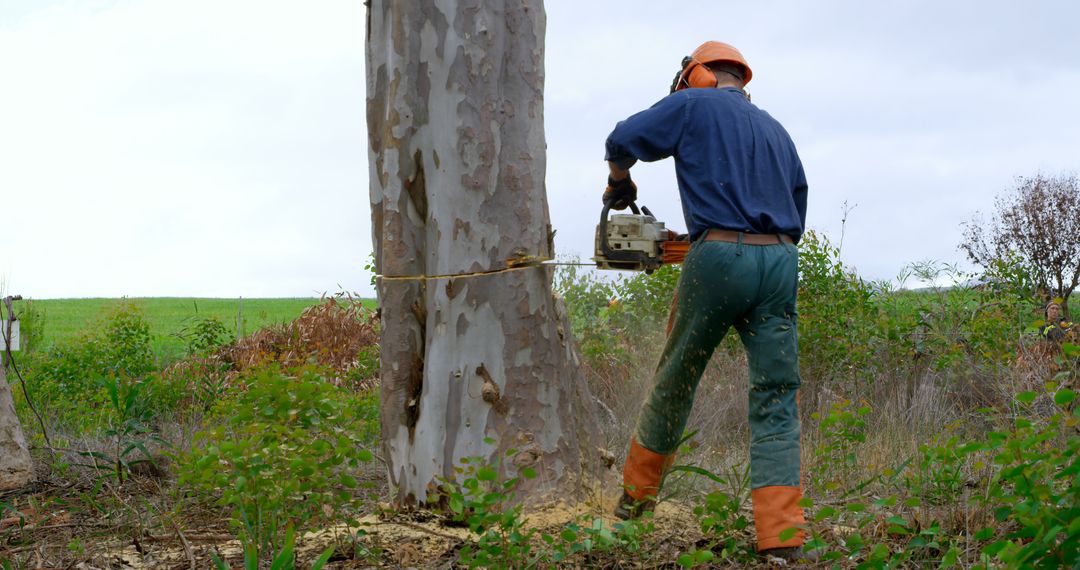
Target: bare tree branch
1038,222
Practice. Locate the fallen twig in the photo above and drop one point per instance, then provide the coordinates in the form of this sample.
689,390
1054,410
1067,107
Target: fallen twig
191,538
185,543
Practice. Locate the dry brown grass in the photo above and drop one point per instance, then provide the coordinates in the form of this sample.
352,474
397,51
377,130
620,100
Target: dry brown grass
332,334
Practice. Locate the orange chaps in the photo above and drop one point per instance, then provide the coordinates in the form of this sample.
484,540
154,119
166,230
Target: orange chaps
776,508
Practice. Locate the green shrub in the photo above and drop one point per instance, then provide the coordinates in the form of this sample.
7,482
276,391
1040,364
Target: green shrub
613,314
1035,493
838,319
66,380
202,335
285,452
958,327
489,508
843,429
485,505
367,411
588,299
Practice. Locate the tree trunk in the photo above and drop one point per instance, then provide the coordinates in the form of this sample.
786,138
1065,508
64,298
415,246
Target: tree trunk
16,469
476,350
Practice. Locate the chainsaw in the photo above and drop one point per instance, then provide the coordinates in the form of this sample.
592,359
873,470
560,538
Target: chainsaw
636,241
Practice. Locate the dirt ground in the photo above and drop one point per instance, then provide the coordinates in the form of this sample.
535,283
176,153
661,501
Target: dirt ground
144,524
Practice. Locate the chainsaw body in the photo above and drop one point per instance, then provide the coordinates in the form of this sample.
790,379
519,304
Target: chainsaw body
631,242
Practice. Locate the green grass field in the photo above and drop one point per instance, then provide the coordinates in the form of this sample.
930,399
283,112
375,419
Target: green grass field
61,320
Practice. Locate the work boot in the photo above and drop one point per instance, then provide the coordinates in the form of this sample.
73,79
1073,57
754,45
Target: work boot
790,554
631,508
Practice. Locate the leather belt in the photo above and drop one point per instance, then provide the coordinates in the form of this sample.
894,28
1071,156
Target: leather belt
748,239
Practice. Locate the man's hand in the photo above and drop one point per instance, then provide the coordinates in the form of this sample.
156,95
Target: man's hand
623,192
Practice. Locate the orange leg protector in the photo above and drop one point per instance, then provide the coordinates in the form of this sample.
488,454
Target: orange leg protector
777,508
644,471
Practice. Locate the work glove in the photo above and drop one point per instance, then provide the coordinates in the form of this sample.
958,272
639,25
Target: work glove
623,192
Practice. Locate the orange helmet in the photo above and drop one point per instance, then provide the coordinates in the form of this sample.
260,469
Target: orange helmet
694,72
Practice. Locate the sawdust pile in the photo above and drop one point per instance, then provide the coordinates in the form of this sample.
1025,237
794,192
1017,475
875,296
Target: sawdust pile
407,540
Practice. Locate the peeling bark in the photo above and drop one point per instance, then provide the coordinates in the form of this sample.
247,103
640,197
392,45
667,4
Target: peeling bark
16,469
457,163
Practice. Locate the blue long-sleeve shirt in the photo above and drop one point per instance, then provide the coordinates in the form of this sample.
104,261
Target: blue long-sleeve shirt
737,167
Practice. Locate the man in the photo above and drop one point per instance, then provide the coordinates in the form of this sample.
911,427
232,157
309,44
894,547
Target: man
1055,328
743,194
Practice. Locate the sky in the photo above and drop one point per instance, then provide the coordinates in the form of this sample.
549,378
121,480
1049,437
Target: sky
218,148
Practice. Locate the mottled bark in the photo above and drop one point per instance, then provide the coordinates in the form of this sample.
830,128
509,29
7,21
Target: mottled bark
475,364
16,469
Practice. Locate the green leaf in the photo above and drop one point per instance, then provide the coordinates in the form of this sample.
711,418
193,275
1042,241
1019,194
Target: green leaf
788,534
365,455
1064,396
824,513
251,557
951,558
886,502
993,548
528,473
569,536
1026,397
323,558
699,471
348,481
218,562
486,473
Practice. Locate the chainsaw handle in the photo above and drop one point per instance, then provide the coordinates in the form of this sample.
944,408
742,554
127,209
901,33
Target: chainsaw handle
604,247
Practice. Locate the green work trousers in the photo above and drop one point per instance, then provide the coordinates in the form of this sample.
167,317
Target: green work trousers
751,288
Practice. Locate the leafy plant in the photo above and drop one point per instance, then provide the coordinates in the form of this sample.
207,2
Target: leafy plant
1035,495
481,501
127,429
202,335
842,430
66,379
284,560
489,508
285,452
838,332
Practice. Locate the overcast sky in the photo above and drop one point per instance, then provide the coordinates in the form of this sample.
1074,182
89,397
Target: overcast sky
218,148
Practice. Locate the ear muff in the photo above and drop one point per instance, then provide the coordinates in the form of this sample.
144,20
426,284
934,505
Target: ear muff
694,74
698,76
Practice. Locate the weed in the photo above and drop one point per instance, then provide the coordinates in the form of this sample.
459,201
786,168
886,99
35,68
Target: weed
842,430
127,429
285,559
481,502
284,453
202,335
